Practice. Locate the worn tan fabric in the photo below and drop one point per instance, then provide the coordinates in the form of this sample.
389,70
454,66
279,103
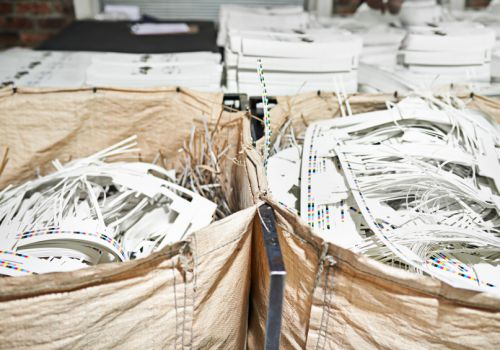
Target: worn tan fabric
39,126
193,294
335,299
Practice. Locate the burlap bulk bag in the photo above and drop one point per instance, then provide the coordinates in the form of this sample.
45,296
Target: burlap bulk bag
193,294
335,299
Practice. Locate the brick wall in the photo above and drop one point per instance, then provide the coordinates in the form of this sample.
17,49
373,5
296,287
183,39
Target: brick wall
30,22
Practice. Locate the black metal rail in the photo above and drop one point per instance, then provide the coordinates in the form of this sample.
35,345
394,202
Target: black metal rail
277,277
275,264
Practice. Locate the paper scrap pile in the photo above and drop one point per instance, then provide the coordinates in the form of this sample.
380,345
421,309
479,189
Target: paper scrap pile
416,186
91,211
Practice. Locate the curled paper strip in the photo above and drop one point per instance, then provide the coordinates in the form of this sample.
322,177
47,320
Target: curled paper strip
90,211
415,186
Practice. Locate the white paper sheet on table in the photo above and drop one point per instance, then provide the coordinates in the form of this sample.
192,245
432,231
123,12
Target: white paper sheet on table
159,28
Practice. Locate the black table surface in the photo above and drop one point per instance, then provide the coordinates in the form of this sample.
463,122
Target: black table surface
116,37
